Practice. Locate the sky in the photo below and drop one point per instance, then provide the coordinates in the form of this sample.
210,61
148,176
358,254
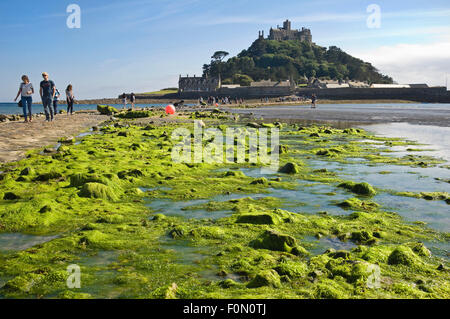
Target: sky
144,45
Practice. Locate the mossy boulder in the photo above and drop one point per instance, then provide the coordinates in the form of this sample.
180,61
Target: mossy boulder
10,196
359,188
228,283
356,204
107,109
265,278
403,255
276,241
258,219
78,180
97,190
420,249
93,238
351,270
327,291
67,140
292,269
48,176
130,173
260,181
289,168
234,174
27,171
363,237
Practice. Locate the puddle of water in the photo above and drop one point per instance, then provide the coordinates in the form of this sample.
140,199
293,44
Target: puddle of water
312,199
435,213
319,246
102,258
18,242
181,208
439,249
185,253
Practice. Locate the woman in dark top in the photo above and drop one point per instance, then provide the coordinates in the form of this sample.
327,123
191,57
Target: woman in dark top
70,99
133,100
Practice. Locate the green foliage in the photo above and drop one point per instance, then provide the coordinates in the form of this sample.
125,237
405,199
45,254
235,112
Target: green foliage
278,60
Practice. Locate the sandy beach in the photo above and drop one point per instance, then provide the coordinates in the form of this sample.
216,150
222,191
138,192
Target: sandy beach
18,137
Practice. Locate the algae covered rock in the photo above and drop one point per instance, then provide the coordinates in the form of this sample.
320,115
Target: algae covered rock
234,174
10,196
359,188
130,173
420,249
355,203
48,176
27,171
228,283
78,180
258,219
403,255
260,181
363,237
106,110
266,278
67,140
276,241
289,168
97,190
292,269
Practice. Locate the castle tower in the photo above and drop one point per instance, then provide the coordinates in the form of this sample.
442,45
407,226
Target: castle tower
287,25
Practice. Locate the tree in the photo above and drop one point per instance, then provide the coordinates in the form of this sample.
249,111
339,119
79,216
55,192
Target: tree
219,56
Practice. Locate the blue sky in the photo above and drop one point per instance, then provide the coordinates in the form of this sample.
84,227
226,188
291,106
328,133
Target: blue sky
143,45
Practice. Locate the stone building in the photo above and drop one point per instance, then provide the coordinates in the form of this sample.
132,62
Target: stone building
287,33
198,84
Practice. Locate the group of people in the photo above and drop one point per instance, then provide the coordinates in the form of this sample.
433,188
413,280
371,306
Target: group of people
212,100
132,100
49,97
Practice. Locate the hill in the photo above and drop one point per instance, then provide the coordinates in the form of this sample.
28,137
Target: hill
279,60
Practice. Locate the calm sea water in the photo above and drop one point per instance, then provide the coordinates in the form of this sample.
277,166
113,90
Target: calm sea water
436,138
12,108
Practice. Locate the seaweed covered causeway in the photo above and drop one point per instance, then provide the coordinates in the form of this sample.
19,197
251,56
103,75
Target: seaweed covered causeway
140,225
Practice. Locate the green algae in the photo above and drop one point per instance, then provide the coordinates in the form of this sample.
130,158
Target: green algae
260,243
107,109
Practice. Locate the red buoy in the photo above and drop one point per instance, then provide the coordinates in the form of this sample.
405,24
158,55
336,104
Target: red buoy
170,109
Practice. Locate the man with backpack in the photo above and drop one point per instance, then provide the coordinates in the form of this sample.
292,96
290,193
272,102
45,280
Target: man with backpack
47,92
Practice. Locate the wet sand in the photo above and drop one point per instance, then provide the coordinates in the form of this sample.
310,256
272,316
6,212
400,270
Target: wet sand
424,114
16,138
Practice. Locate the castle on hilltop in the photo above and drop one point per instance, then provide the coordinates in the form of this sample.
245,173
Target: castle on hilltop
286,33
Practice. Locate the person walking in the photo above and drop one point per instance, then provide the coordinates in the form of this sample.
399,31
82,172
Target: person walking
26,91
313,101
124,101
132,100
47,92
55,102
70,98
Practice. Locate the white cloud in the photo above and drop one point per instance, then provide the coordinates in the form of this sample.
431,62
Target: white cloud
412,63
